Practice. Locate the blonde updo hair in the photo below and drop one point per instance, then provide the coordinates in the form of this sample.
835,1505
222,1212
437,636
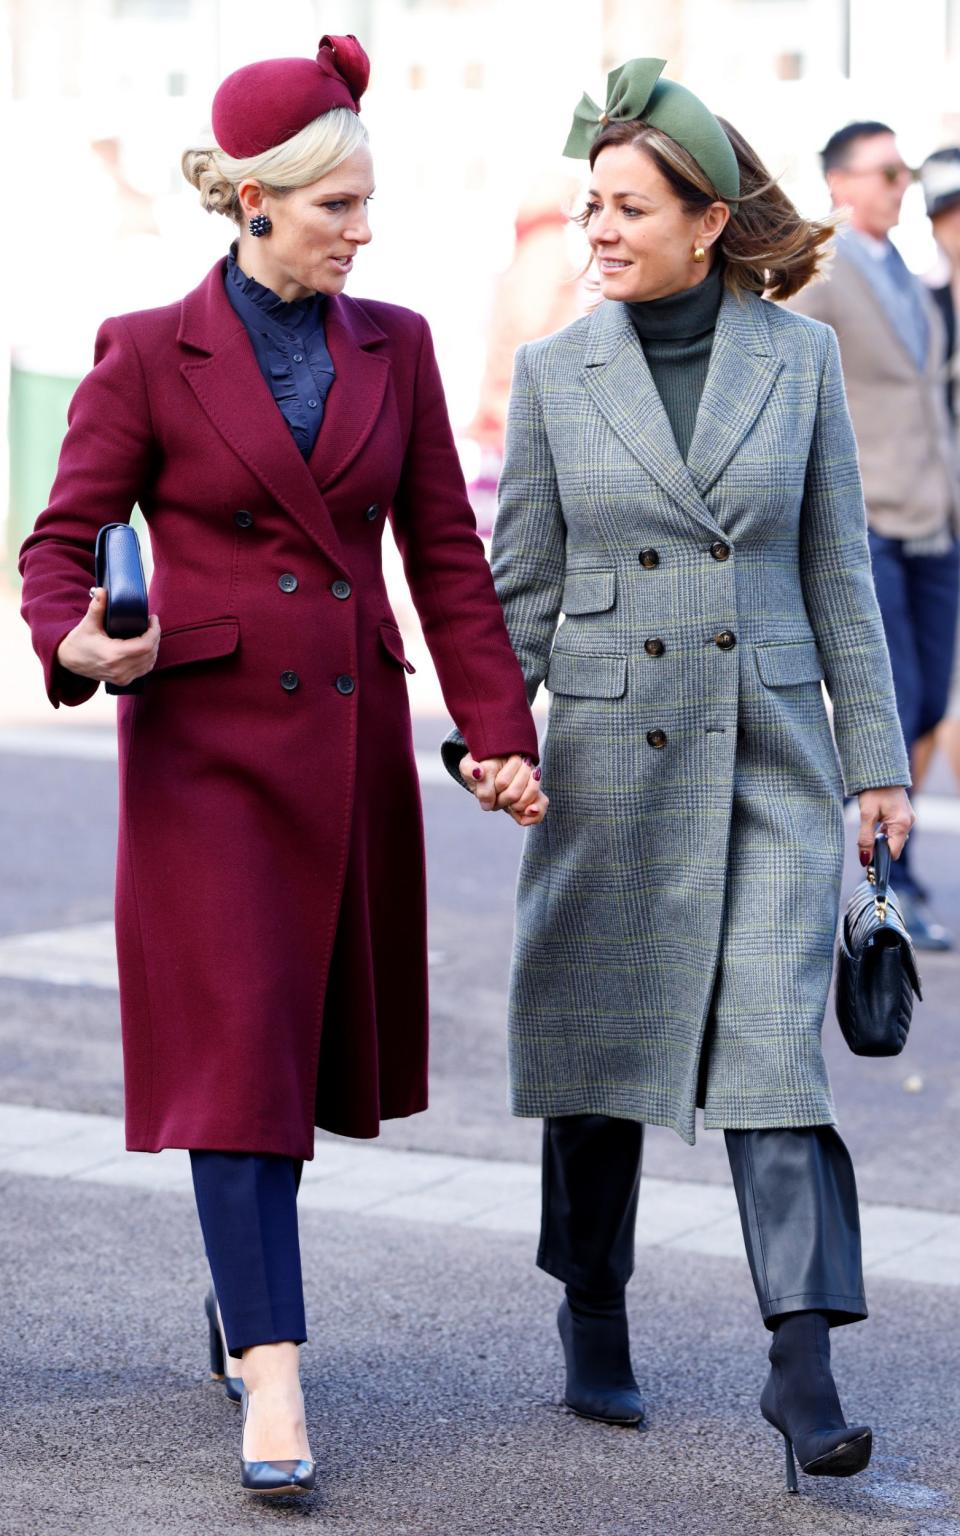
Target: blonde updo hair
312,153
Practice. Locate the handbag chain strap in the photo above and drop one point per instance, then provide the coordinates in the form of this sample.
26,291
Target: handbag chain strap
880,851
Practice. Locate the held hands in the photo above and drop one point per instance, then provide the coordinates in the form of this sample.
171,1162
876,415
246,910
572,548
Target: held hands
89,651
506,784
892,809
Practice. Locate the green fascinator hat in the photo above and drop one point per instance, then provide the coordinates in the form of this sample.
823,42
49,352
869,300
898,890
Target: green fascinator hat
636,91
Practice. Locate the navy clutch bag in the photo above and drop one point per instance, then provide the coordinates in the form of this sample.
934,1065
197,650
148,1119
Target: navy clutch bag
119,569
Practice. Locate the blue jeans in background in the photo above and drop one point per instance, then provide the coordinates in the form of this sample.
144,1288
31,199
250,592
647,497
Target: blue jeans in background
918,597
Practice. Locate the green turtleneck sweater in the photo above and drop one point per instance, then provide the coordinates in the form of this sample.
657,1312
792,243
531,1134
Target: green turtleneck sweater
676,334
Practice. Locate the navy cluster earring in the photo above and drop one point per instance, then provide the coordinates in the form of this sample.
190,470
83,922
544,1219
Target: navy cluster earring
260,225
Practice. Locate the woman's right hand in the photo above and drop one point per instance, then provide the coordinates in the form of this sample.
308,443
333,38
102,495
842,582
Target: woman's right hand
89,651
509,784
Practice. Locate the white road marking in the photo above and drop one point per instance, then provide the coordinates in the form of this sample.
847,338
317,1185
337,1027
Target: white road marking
83,956
900,1242
935,813
101,746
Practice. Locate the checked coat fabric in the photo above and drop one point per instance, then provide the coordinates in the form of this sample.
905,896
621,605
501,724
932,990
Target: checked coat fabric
677,909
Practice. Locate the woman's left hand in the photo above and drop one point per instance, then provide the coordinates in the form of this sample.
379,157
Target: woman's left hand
509,784
892,809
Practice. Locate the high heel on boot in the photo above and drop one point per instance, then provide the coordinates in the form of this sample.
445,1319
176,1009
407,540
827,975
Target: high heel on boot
800,1400
232,1385
294,1476
596,1344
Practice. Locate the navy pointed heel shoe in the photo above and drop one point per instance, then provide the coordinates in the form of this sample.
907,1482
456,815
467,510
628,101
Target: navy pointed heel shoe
800,1400
296,1475
232,1385
596,1346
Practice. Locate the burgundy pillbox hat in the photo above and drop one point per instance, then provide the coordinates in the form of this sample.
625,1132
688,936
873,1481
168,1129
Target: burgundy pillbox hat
262,105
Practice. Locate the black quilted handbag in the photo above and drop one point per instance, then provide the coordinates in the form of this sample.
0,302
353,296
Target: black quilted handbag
876,965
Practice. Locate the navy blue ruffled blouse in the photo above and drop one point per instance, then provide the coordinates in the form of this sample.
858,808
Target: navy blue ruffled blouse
290,342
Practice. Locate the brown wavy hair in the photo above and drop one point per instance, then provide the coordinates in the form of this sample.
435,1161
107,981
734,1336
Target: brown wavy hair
766,246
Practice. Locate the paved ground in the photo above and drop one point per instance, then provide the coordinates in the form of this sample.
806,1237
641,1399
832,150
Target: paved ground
432,1373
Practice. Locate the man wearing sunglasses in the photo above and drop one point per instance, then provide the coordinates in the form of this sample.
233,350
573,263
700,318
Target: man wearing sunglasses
892,348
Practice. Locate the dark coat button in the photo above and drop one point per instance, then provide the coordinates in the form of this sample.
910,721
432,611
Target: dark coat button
649,559
657,738
243,519
345,684
341,589
287,583
726,640
654,647
720,551
289,681
372,513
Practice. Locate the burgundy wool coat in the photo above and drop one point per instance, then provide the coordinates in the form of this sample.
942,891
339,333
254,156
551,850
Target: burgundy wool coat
270,899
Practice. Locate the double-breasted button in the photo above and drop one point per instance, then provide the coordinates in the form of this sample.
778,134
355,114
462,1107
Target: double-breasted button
289,681
726,640
720,551
345,684
657,738
372,513
341,589
649,559
654,647
287,582
243,519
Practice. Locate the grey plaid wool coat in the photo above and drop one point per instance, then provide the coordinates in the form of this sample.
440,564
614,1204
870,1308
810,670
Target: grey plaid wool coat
676,910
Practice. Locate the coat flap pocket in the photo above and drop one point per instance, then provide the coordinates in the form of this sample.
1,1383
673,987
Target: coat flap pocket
589,591
587,677
197,642
781,666
393,645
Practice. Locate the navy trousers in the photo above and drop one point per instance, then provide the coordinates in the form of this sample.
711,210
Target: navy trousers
798,1209
247,1204
918,596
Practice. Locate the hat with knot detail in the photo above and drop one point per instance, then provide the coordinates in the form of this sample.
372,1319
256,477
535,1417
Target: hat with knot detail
262,105
635,92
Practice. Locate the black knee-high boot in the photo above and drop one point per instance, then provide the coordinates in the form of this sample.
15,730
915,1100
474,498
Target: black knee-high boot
798,1207
591,1180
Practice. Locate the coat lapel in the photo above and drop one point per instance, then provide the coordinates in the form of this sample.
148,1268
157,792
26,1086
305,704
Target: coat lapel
230,388
356,395
620,384
741,374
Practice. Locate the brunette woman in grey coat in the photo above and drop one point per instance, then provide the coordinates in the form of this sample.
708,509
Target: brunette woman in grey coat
681,483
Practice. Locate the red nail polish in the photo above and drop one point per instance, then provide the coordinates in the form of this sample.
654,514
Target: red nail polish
478,773
864,857
537,774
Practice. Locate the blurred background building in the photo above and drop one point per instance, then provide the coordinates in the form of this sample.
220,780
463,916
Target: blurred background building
468,109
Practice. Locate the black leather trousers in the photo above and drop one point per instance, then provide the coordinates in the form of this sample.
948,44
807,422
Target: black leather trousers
795,1189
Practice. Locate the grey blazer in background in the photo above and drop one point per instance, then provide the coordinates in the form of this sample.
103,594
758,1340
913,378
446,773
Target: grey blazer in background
908,454
686,879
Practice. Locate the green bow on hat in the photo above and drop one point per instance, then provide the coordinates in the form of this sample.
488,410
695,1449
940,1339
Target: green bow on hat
634,91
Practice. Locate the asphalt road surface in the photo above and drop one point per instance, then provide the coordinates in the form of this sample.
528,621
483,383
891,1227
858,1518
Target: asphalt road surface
432,1373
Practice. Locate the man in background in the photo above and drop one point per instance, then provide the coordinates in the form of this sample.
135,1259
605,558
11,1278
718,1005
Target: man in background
940,178
892,348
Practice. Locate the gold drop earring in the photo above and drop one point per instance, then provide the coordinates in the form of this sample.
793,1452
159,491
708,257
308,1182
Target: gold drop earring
699,254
